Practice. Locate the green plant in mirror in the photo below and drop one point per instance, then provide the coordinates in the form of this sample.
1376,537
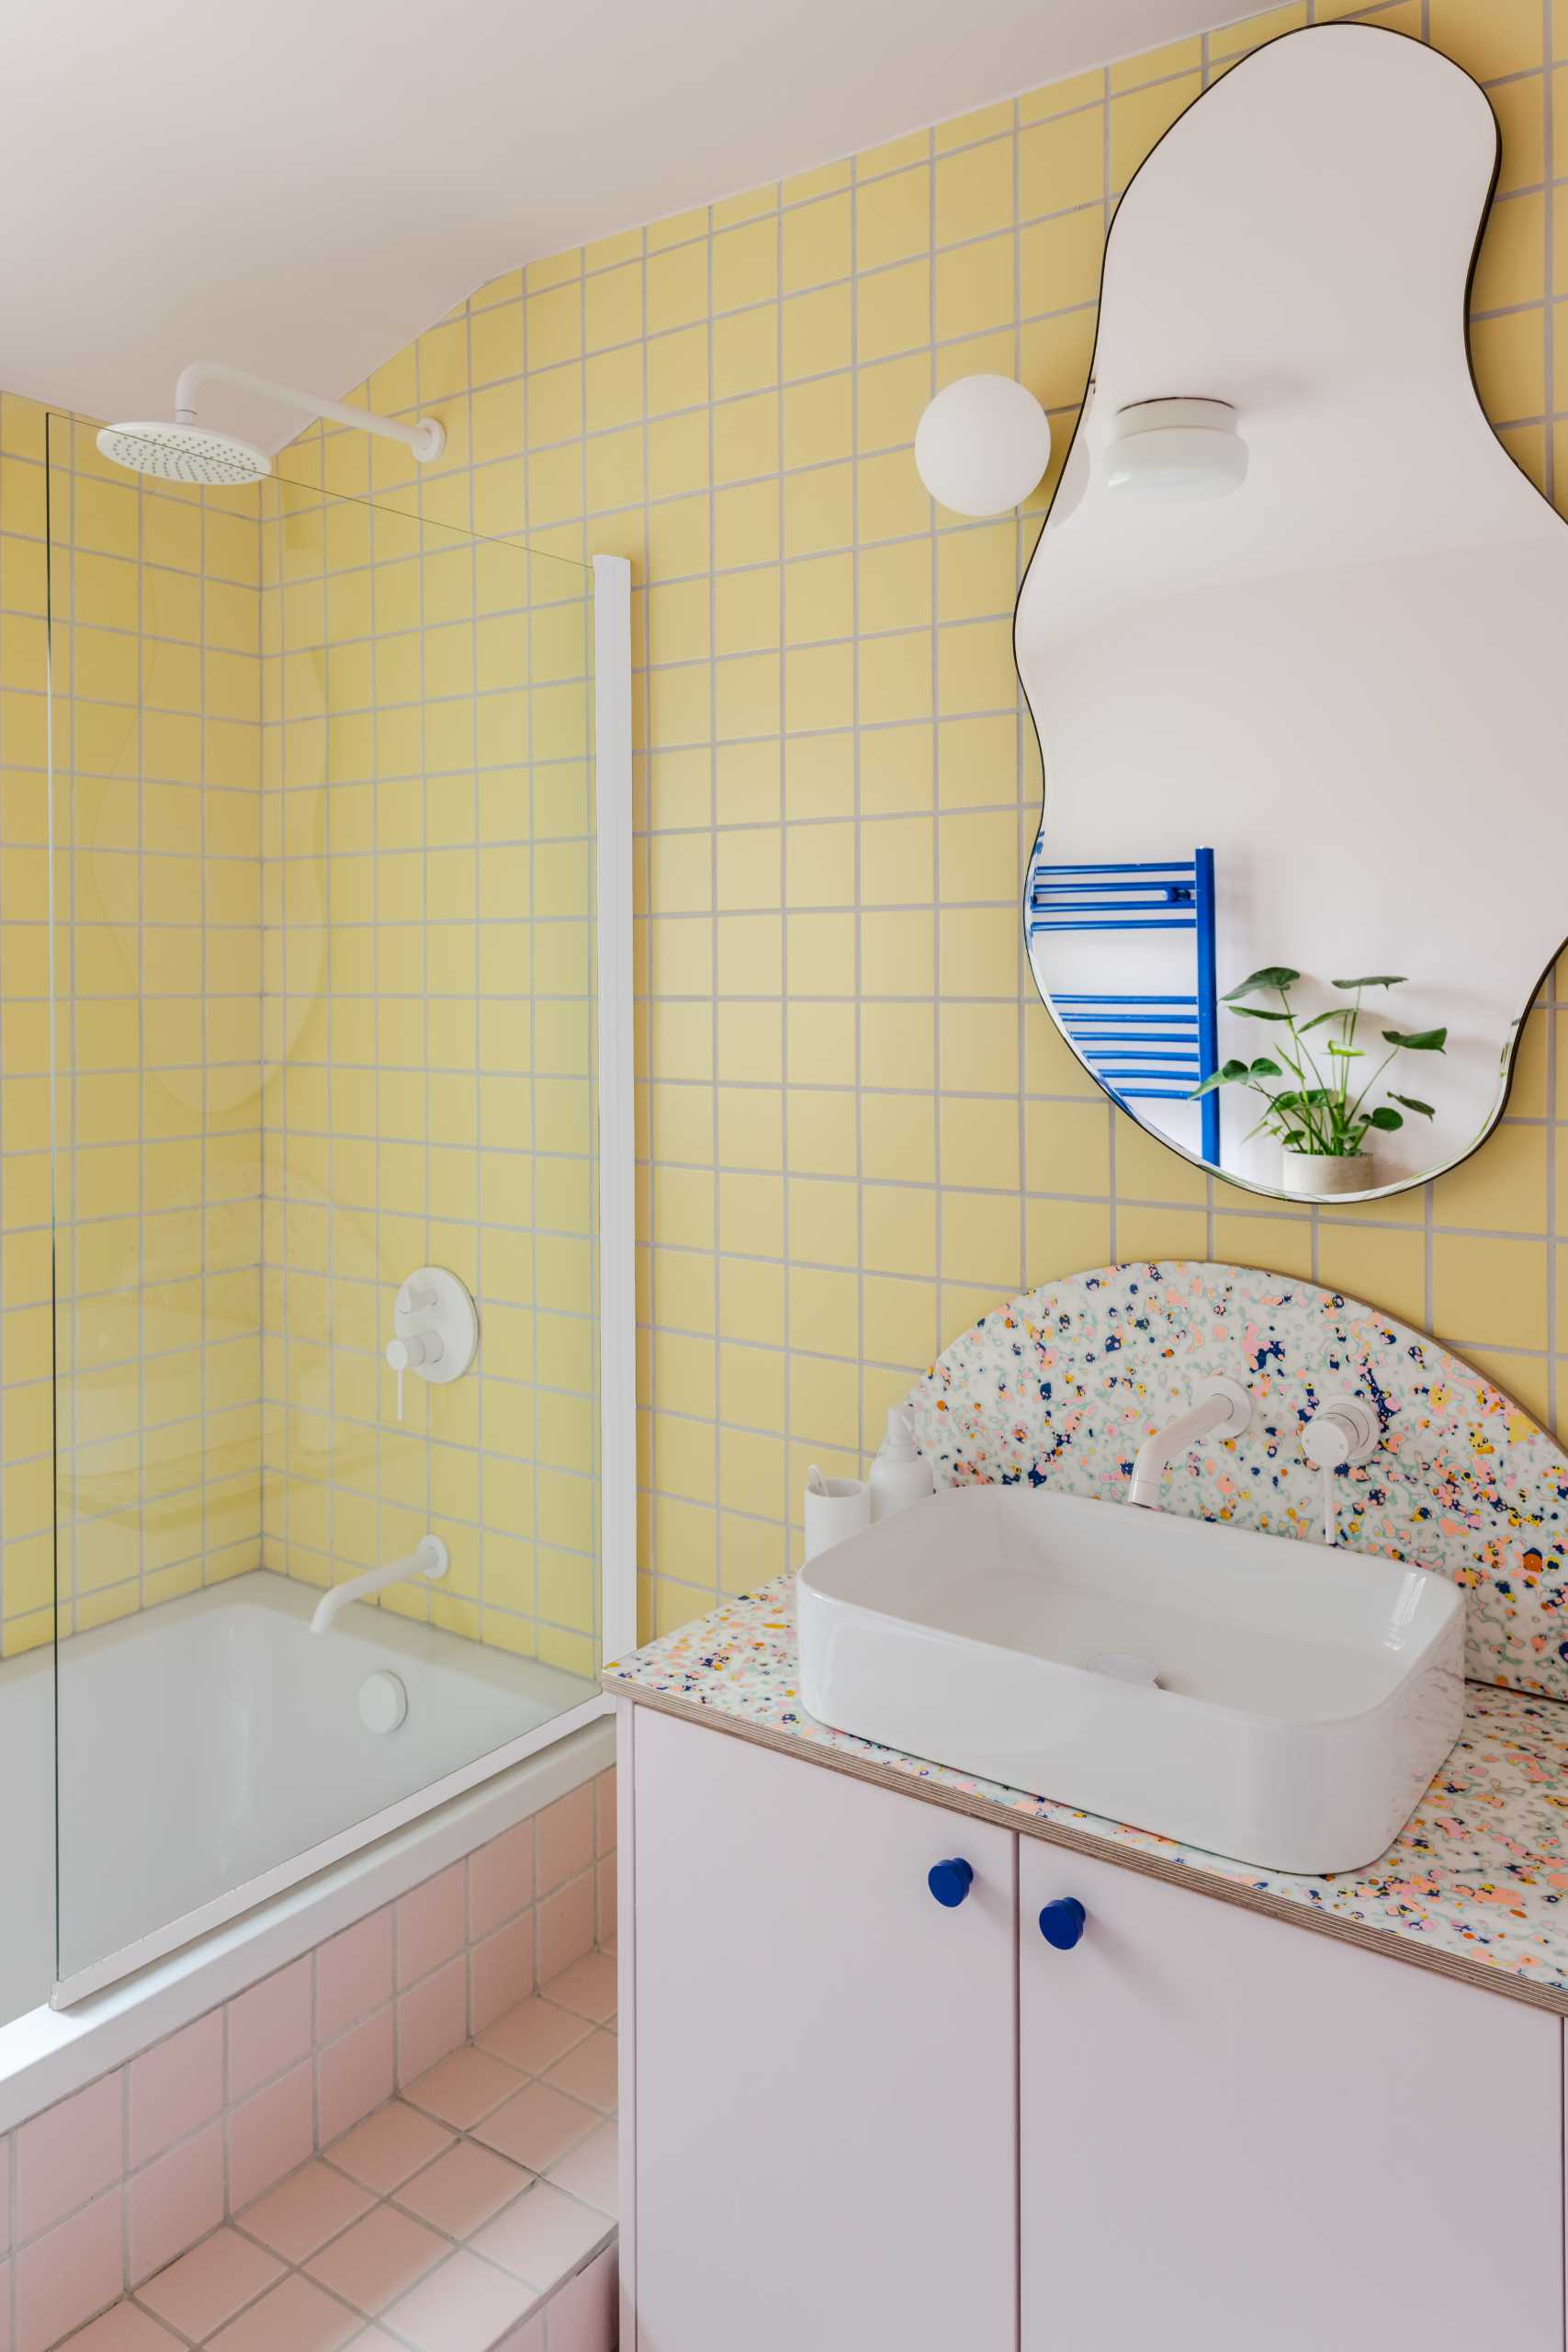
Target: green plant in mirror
1317,1100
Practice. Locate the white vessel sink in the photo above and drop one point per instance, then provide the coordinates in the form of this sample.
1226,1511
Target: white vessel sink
1267,1700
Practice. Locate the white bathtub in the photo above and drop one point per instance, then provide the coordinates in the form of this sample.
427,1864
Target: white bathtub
211,1755
27,1831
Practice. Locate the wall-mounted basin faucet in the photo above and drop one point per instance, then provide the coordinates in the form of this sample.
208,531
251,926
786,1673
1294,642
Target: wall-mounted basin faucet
1218,1409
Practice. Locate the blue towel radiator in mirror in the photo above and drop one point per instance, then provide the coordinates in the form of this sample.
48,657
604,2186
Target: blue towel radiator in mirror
1142,1048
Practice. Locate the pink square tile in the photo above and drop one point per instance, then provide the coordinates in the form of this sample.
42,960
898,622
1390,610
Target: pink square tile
5,2307
542,2236
176,2086
464,2087
302,2212
533,2035
68,2153
4,2197
270,2134
355,2074
294,2316
463,2307
432,2020
378,2259
500,1972
463,2189
124,2329
211,2283
584,2316
432,1924
501,1879
591,2170
588,1986
564,1837
608,1891
173,2201
566,1926
62,2279
604,1812
537,2126
353,1974
589,2071
391,2145
269,2028
529,2337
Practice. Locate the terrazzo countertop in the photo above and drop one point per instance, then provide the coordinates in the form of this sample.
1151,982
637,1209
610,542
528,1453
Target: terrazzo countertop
1474,1887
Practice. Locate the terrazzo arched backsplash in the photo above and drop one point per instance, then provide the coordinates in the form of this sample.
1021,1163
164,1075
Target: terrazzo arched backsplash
1059,1387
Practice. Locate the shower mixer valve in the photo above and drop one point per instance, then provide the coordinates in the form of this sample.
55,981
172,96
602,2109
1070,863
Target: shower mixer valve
435,1329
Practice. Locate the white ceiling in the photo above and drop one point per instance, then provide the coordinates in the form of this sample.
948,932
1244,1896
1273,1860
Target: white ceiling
300,187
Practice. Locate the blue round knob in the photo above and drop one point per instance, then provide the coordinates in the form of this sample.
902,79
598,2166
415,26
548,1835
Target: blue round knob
949,1882
1062,1922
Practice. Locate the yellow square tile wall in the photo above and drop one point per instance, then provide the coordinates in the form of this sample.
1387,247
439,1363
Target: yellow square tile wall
155,1339
323,1014
26,1432
428,998
857,1127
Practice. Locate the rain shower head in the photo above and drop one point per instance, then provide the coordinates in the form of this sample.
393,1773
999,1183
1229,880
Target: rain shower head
184,453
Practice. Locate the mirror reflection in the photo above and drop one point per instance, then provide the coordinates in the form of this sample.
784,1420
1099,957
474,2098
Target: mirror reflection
1290,639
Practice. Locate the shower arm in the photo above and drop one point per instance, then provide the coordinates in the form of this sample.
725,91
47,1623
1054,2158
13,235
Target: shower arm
426,439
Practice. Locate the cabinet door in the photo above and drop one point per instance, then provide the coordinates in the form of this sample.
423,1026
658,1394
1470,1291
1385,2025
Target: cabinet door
824,2061
1238,2134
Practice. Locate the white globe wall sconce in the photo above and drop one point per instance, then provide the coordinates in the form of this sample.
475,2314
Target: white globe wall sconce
982,445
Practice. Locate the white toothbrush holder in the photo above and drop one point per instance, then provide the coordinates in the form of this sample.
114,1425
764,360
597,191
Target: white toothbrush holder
842,1508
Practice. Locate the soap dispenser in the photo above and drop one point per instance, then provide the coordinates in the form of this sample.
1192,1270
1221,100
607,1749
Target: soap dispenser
901,1474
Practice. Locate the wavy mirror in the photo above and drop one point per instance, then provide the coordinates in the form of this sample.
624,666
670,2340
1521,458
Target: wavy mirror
1293,638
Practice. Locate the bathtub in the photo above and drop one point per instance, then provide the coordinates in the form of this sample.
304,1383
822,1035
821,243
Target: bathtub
211,1757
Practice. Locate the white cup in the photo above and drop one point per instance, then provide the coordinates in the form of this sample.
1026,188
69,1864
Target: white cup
842,1509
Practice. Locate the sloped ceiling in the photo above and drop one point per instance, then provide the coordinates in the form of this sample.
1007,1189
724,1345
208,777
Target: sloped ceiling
300,187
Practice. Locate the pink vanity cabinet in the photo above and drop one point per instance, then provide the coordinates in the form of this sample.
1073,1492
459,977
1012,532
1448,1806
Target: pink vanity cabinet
858,2117
825,2062
1243,2136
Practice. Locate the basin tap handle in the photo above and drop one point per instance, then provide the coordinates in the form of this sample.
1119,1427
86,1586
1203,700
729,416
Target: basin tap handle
1342,1430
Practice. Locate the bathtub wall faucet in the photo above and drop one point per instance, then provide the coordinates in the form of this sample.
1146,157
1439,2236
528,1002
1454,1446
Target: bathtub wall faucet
429,1558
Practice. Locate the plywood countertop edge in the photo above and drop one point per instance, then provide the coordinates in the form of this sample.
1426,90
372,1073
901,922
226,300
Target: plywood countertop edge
1385,1941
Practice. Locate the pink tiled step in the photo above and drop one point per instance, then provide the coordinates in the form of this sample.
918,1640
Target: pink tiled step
476,2212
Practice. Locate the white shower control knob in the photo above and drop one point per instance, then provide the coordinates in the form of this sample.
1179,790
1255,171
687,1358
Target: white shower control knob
383,1702
435,1323
414,1353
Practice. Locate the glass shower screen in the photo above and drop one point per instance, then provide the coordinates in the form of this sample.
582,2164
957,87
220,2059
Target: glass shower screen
325,1018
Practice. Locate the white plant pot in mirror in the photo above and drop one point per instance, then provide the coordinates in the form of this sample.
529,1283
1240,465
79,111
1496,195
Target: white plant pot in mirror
1321,1174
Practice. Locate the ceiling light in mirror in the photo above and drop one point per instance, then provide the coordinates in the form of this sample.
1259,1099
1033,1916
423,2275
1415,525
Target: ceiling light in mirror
1176,448
982,445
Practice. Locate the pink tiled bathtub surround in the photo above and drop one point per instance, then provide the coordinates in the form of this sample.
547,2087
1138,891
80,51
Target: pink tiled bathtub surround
111,2185
412,2234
